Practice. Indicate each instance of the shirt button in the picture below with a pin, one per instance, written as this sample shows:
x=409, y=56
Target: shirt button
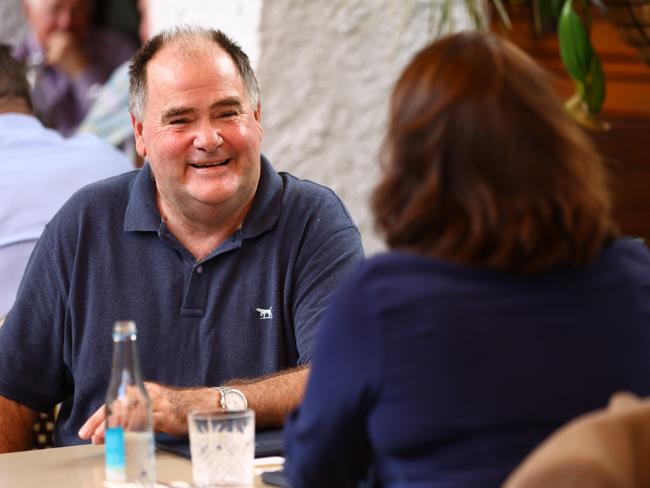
x=199, y=269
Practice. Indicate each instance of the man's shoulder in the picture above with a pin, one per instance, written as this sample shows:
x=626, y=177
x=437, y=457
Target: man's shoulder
x=51, y=164
x=104, y=196
x=100, y=148
x=302, y=185
x=28, y=138
x=85, y=158
x=308, y=196
x=313, y=216
x=90, y=218
x=114, y=185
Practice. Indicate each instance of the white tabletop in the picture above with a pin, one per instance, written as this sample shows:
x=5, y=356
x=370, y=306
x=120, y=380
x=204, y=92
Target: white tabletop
x=79, y=467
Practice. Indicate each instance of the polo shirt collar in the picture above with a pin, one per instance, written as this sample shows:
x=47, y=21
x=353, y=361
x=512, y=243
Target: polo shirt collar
x=265, y=211
x=142, y=212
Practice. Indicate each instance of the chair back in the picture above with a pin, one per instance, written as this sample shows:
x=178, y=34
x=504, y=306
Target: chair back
x=608, y=448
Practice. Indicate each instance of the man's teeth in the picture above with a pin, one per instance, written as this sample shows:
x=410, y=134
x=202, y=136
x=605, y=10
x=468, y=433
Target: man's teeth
x=210, y=165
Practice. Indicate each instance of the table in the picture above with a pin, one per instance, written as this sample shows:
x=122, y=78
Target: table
x=80, y=467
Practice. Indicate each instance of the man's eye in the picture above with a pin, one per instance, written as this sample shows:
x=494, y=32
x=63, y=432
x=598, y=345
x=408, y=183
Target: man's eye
x=178, y=121
x=231, y=113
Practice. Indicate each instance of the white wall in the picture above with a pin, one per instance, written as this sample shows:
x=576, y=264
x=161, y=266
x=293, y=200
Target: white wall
x=327, y=69
x=239, y=19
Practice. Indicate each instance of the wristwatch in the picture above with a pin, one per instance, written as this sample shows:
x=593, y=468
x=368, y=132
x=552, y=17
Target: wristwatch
x=232, y=400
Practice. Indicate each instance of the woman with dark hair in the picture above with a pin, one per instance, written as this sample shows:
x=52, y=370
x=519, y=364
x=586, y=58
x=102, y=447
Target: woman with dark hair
x=507, y=303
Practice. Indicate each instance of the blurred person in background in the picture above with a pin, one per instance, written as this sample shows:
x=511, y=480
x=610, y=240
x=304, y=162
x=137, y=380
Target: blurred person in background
x=109, y=116
x=507, y=303
x=67, y=59
x=39, y=171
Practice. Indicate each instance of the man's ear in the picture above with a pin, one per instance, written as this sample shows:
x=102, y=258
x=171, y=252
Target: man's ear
x=139, y=140
x=258, y=118
x=258, y=113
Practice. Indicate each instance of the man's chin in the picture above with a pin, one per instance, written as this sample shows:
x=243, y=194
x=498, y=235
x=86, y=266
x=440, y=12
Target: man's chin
x=213, y=198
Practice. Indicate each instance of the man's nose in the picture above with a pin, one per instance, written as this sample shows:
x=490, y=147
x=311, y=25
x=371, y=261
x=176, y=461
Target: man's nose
x=207, y=138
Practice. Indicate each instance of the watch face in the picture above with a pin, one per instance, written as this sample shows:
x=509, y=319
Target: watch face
x=235, y=401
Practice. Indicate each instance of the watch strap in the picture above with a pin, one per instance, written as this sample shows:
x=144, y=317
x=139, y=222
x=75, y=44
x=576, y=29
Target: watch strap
x=222, y=395
x=223, y=391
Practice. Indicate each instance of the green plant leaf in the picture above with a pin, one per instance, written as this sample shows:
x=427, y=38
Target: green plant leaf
x=594, y=94
x=575, y=48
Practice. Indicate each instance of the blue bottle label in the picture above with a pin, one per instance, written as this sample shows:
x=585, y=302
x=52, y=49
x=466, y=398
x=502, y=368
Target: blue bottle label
x=115, y=455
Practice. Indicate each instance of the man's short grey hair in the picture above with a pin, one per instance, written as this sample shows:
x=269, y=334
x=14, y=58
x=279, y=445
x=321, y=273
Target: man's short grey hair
x=185, y=35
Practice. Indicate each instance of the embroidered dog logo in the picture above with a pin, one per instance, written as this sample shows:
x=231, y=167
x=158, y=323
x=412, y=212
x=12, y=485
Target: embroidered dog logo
x=265, y=313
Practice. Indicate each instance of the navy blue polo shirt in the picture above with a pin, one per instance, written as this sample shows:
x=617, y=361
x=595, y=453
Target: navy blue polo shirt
x=250, y=308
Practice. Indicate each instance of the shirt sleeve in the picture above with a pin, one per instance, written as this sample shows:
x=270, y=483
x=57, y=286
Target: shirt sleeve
x=32, y=370
x=108, y=116
x=332, y=248
x=326, y=439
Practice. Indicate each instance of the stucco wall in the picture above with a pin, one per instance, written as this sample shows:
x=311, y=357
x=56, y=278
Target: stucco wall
x=326, y=69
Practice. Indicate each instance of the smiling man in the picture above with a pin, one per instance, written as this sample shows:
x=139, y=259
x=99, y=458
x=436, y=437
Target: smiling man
x=224, y=264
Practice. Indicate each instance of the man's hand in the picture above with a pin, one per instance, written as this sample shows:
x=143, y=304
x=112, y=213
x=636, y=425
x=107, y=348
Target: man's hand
x=63, y=52
x=94, y=427
x=272, y=397
x=170, y=408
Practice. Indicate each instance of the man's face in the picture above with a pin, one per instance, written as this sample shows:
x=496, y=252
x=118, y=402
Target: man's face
x=199, y=131
x=48, y=16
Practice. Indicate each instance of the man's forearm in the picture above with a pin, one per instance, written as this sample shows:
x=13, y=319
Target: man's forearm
x=274, y=396
x=16, y=423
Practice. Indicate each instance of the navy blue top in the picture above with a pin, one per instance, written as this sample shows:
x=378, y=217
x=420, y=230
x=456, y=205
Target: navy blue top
x=248, y=309
x=445, y=375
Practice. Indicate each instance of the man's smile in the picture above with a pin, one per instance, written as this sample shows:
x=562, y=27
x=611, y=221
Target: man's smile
x=211, y=164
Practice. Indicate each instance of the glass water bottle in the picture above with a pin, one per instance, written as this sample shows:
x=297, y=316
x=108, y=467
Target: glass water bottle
x=129, y=440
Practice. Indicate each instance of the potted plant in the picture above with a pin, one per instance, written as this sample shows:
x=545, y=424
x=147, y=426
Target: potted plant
x=581, y=62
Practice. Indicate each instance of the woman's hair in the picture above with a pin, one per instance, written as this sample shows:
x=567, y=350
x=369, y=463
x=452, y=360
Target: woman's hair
x=483, y=166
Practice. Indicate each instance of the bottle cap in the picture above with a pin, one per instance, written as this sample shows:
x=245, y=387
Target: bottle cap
x=124, y=328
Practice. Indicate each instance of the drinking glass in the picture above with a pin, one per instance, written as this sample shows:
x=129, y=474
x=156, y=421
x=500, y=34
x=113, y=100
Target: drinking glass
x=222, y=445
